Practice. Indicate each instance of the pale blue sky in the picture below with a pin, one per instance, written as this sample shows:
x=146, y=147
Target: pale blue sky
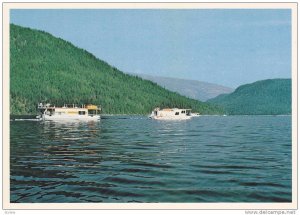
x=228, y=47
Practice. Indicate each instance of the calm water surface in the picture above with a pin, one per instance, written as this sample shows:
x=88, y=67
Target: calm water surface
x=135, y=159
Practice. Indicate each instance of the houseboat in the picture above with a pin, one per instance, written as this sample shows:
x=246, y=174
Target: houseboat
x=69, y=112
x=171, y=114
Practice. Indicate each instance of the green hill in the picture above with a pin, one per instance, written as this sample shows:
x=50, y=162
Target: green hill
x=270, y=97
x=48, y=69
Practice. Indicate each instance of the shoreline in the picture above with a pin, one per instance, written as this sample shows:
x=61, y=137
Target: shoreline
x=30, y=116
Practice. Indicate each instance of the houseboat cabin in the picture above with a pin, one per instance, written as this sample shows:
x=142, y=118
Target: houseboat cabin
x=84, y=112
x=170, y=114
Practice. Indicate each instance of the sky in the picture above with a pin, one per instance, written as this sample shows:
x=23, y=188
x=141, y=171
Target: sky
x=223, y=46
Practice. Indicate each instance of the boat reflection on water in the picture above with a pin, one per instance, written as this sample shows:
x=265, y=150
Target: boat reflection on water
x=71, y=129
x=71, y=143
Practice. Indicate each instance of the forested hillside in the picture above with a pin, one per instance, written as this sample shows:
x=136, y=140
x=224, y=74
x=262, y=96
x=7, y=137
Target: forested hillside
x=48, y=69
x=270, y=97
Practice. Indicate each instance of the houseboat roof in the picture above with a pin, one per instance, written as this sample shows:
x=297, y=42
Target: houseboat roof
x=172, y=109
x=71, y=106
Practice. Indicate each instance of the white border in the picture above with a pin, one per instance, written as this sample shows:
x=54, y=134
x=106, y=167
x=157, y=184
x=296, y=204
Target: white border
x=135, y=5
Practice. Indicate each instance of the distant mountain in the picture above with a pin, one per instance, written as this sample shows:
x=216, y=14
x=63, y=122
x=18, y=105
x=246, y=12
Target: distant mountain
x=44, y=68
x=272, y=97
x=191, y=88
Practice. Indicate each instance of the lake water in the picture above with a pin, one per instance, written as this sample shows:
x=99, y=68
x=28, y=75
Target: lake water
x=136, y=159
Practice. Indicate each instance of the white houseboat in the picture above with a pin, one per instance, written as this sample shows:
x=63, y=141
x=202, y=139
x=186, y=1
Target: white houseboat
x=69, y=112
x=171, y=114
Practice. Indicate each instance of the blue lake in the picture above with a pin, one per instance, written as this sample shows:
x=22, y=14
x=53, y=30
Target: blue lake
x=136, y=159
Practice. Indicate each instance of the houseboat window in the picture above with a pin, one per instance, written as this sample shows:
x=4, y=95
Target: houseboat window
x=155, y=113
x=91, y=112
x=183, y=111
x=177, y=113
x=81, y=112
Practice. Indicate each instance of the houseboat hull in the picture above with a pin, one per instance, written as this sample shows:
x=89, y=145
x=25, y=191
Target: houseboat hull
x=67, y=118
x=170, y=118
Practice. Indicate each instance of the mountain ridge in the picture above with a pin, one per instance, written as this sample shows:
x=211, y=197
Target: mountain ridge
x=194, y=89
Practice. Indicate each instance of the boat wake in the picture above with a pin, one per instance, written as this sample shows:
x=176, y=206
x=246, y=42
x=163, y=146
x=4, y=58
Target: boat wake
x=26, y=119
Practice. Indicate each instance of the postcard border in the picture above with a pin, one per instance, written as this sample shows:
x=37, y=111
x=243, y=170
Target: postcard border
x=6, y=6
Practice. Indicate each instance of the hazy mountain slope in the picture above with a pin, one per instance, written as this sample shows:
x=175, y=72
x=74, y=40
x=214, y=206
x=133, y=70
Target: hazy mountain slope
x=45, y=68
x=191, y=88
x=272, y=96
